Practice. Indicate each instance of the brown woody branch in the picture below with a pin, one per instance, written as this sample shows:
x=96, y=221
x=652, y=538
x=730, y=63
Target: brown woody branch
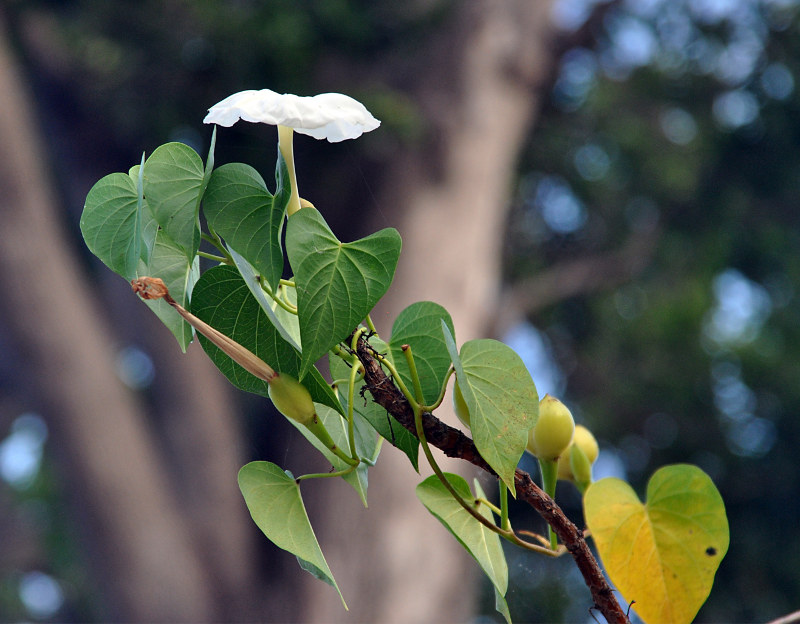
x=454, y=443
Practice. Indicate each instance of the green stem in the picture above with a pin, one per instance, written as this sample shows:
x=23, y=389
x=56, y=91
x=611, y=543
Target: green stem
x=220, y=259
x=215, y=241
x=412, y=367
x=278, y=300
x=504, y=523
x=490, y=505
x=284, y=297
x=412, y=401
x=549, y=470
x=318, y=429
x=351, y=393
x=371, y=325
x=285, y=144
x=442, y=393
x=289, y=283
x=324, y=475
x=373, y=460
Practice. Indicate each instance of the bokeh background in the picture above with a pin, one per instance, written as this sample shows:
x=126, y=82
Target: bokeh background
x=609, y=187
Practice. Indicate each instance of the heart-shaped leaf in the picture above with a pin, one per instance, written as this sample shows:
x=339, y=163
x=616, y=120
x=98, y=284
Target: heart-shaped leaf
x=502, y=400
x=420, y=326
x=274, y=500
x=111, y=225
x=169, y=262
x=338, y=283
x=239, y=208
x=479, y=541
x=383, y=422
x=173, y=183
x=663, y=554
x=222, y=299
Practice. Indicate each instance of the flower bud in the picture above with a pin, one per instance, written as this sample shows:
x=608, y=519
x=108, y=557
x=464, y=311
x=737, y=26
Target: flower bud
x=292, y=399
x=460, y=405
x=585, y=441
x=553, y=431
x=581, y=467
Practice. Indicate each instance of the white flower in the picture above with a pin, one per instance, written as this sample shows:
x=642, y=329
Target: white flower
x=330, y=116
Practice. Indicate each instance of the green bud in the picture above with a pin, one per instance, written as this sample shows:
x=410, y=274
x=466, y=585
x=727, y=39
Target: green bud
x=581, y=467
x=292, y=399
x=553, y=431
x=460, y=405
x=583, y=439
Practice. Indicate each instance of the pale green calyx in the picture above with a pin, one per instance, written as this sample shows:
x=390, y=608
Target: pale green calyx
x=292, y=399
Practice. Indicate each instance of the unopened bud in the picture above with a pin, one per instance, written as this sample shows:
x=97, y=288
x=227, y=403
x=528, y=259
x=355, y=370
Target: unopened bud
x=552, y=434
x=292, y=399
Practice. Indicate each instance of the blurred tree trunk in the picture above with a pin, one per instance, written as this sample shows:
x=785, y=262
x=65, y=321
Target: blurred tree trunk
x=477, y=84
x=154, y=561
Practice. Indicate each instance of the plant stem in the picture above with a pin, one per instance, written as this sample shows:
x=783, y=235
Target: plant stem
x=412, y=367
x=442, y=392
x=454, y=443
x=278, y=300
x=285, y=145
x=215, y=241
x=351, y=393
x=504, y=522
x=324, y=475
x=220, y=259
x=549, y=470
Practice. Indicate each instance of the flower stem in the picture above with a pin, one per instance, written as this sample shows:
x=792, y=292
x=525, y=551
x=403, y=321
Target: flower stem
x=549, y=470
x=285, y=135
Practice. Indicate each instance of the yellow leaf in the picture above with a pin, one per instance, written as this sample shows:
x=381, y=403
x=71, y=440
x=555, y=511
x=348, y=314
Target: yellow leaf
x=663, y=554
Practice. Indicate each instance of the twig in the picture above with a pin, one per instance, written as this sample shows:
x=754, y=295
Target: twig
x=454, y=443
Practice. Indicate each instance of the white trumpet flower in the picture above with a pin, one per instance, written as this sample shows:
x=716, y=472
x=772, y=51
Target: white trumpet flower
x=331, y=116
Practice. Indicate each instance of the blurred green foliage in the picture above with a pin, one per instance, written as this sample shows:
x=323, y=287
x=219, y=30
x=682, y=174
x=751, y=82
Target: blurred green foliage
x=681, y=118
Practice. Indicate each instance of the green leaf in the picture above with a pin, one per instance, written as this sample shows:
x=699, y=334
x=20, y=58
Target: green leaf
x=173, y=185
x=663, y=554
x=287, y=324
x=274, y=500
x=380, y=420
x=366, y=445
x=222, y=299
x=168, y=262
x=419, y=326
x=110, y=223
x=502, y=400
x=480, y=542
x=239, y=208
x=338, y=283
x=149, y=228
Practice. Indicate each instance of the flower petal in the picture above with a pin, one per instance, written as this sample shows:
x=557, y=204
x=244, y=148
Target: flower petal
x=331, y=116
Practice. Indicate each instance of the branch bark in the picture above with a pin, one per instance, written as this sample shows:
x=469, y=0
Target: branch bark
x=454, y=443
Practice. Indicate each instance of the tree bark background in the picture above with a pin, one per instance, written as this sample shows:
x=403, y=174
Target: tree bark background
x=157, y=488
x=478, y=84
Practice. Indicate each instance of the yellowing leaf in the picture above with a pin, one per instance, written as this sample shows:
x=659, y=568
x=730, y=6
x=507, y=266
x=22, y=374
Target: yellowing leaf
x=663, y=555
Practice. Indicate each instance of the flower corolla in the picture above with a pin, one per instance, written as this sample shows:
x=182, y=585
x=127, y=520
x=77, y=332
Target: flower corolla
x=332, y=116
